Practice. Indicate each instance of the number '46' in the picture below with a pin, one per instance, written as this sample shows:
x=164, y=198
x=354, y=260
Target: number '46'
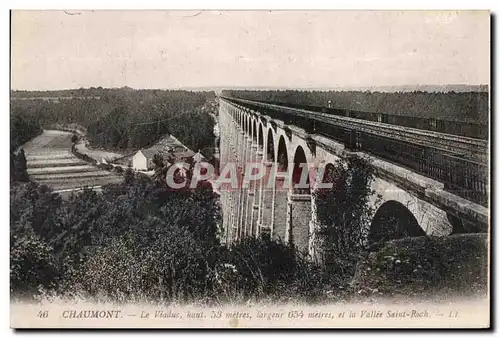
x=43, y=314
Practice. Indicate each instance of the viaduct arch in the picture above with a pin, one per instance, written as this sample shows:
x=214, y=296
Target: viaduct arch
x=274, y=207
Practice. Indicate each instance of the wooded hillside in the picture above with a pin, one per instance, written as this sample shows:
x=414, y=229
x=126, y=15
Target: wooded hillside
x=124, y=118
x=470, y=106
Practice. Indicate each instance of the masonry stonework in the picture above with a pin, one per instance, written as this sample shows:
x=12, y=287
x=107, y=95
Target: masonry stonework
x=265, y=208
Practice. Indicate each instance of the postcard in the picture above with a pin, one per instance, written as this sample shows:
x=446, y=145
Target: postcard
x=250, y=169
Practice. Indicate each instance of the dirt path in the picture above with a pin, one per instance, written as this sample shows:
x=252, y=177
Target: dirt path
x=96, y=154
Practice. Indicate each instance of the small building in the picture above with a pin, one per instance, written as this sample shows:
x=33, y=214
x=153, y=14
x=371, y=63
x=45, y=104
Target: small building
x=140, y=161
x=143, y=159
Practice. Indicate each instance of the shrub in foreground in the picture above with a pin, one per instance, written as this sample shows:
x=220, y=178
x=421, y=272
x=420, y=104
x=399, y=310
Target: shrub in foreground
x=457, y=263
x=262, y=268
x=32, y=264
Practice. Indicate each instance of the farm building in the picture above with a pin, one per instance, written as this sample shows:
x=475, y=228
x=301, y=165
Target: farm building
x=143, y=159
x=170, y=149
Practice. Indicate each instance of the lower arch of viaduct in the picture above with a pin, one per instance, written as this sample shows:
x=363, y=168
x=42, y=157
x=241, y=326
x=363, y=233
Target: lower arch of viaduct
x=282, y=212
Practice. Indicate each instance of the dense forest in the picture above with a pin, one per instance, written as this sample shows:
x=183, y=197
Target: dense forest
x=141, y=240
x=463, y=106
x=124, y=118
x=23, y=126
x=134, y=232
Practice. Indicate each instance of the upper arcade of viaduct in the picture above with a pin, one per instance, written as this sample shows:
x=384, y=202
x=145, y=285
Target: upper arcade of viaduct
x=407, y=187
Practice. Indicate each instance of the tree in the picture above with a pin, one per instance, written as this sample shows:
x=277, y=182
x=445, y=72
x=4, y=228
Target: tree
x=159, y=168
x=33, y=222
x=170, y=156
x=20, y=171
x=32, y=263
x=24, y=125
x=158, y=161
x=35, y=207
x=129, y=176
x=344, y=213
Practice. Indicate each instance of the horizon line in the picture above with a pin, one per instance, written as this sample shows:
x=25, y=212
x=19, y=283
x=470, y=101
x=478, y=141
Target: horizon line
x=264, y=87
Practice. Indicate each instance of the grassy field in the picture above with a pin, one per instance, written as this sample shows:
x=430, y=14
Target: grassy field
x=50, y=162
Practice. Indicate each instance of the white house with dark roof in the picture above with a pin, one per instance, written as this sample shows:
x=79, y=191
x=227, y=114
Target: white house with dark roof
x=171, y=149
x=143, y=159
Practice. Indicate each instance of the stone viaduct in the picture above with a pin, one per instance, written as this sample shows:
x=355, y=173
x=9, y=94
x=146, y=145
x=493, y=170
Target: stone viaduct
x=255, y=133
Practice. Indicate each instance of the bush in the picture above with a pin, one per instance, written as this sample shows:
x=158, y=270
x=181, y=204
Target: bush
x=166, y=266
x=256, y=268
x=32, y=263
x=427, y=264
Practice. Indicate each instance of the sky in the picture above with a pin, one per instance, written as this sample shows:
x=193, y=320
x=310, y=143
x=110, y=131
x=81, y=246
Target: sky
x=288, y=49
